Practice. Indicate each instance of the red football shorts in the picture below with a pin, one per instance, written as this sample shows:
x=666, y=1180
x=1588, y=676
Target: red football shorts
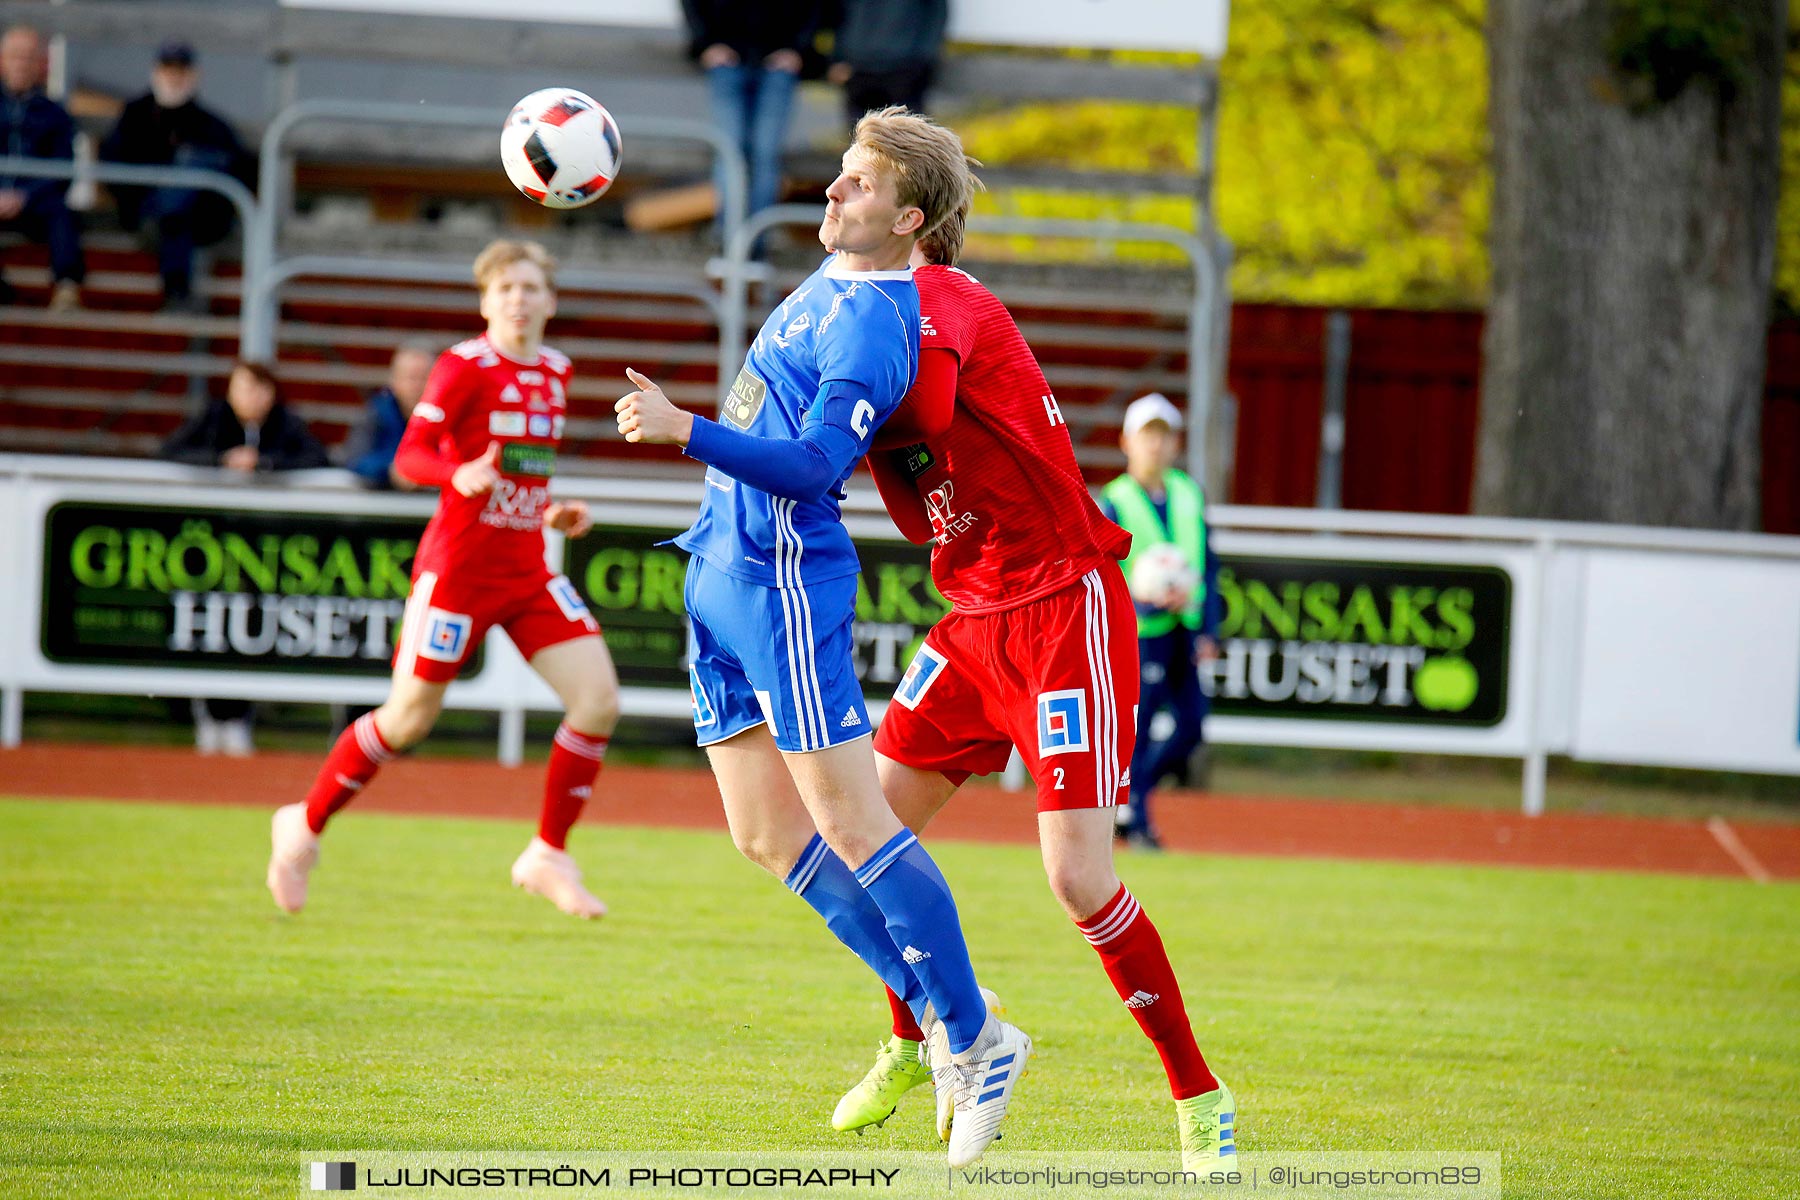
x=1058, y=678
x=445, y=622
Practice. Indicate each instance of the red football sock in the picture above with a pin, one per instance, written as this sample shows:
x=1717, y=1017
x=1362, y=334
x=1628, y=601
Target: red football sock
x=353, y=761
x=574, y=764
x=1132, y=952
x=905, y=1024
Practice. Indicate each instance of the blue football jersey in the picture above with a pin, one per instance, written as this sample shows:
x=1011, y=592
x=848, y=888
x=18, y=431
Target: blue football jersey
x=842, y=351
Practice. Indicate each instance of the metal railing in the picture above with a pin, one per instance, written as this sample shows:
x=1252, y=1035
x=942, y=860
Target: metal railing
x=260, y=252
x=135, y=175
x=738, y=271
x=264, y=290
x=265, y=273
x=252, y=216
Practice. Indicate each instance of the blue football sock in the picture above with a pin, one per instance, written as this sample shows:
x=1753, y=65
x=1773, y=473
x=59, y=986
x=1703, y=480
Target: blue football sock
x=921, y=918
x=822, y=879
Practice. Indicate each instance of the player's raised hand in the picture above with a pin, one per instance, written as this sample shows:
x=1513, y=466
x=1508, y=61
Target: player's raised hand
x=479, y=475
x=646, y=415
x=569, y=517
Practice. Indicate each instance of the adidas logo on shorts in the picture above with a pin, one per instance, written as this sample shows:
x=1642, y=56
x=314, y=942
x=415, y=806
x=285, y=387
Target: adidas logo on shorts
x=1143, y=999
x=851, y=720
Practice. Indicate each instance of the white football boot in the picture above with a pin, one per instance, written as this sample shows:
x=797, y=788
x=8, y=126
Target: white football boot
x=929, y=1025
x=978, y=1085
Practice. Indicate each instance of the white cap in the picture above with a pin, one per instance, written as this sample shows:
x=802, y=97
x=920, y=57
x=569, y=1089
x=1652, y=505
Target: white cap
x=1154, y=407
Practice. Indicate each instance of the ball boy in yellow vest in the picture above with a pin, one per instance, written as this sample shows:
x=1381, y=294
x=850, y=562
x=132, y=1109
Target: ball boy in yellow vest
x=1178, y=630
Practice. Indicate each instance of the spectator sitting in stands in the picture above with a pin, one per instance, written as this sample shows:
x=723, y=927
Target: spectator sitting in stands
x=250, y=430
x=34, y=126
x=886, y=52
x=168, y=127
x=370, y=449
x=752, y=55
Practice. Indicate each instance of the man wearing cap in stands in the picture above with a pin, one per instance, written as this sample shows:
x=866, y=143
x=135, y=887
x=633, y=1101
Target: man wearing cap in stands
x=1178, y=630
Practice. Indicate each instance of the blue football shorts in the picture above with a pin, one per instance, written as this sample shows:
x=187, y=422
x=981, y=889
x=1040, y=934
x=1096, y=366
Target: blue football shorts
x=775, y=655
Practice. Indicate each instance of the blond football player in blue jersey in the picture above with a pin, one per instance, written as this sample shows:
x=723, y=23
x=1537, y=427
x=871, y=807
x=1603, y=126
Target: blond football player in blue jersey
x=771, y=592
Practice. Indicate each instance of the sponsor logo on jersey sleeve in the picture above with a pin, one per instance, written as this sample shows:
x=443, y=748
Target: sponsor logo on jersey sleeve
x=1062, y=722
x=506, y=424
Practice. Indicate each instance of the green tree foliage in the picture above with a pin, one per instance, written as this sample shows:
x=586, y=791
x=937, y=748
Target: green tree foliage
x=1352, y=154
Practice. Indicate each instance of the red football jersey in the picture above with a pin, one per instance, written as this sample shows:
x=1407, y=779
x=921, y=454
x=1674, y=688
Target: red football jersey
x=1011, y=516
x=477, y=396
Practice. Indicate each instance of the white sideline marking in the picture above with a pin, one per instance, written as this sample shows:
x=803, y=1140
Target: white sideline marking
x=1740, y=853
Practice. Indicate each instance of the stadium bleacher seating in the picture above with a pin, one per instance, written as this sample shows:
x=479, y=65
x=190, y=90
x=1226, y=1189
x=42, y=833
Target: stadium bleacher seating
x=117, y=376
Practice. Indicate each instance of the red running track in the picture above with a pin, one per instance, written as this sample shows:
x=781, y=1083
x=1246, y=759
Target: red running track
x=686, y=798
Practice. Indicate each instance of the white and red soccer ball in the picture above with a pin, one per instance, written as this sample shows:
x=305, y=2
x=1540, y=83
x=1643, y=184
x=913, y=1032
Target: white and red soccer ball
x=560, y=147
x=1163, y=576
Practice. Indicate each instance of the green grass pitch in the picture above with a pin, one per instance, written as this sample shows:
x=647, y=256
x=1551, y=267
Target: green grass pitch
x=164, y=1031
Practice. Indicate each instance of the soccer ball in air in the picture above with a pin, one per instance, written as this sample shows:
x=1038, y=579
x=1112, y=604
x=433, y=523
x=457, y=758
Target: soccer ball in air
x=560, y=147
x=1162, y=575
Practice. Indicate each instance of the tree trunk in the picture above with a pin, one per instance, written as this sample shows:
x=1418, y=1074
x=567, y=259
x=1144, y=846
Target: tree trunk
x=1633, y=252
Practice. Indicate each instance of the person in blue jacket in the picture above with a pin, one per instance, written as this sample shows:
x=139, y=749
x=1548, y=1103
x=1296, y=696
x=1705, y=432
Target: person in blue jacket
x=34, y=126
x=371, y=446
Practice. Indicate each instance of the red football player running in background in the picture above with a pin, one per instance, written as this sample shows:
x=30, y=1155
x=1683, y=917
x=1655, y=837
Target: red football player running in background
x=1039, y=651
x=485, y=433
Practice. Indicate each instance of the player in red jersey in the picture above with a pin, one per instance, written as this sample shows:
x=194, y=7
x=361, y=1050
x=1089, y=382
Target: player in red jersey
x=485, y=433
x=1038, y=652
